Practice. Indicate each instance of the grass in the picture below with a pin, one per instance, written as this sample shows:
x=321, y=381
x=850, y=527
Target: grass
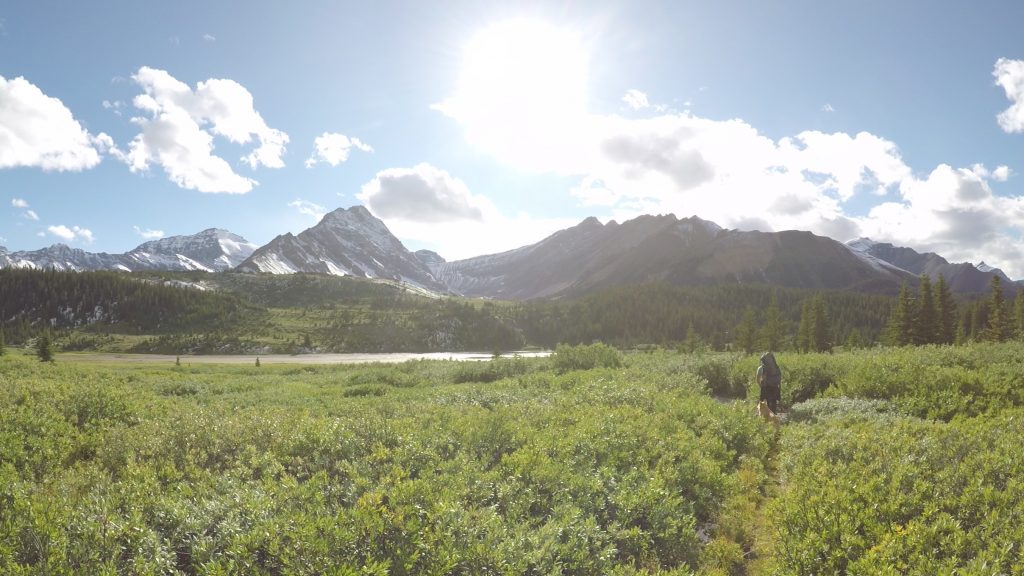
x=593, y=463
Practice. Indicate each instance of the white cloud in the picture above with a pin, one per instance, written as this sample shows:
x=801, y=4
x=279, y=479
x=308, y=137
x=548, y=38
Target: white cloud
x=826, y=107
x=1000, y=174
x=178, y=133
x=38, y=131
x=149, y=234
x=635, y=99
x=72, y=233
x=429, y=207
x=334, y=148
x=1010, y=76
x=28, y=214
x=728, y=172
x=955, y=213
x=114, y=106
x=309, y=209
x=209, y=38
x=422, y=193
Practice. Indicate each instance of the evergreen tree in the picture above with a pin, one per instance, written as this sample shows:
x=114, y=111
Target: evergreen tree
x=692, y=340
x=926, y=323
x=44, y=347
x=773, y=332
x=820, y=331
x=900, y=330
x=979, y=320
x=998, y=327
x=946, y=312
x=257, y=361
x=2, y=350
x=855, y=340
x=1018, y=315
x=804, y=333
x=746, y=332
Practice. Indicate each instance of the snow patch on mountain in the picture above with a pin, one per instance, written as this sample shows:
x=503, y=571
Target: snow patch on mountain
x=210, y=250
x=861, y=244
x=348, y=242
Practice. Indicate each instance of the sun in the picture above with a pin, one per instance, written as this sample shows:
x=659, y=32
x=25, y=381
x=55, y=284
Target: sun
x=521, y=82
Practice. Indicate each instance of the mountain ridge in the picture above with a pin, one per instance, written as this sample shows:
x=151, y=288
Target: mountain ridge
x=210, y=250
x=570, y=262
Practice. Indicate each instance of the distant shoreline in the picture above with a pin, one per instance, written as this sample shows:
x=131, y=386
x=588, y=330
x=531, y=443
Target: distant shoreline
x=353, y=358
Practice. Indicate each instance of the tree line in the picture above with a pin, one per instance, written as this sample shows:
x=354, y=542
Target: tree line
x=364, y=316
x=932, y=316
x=36, y=301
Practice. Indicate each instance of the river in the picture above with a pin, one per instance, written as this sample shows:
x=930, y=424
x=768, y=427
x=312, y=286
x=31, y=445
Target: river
x=390, y=357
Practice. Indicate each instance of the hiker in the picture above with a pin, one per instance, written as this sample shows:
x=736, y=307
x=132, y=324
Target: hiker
x=769, y=379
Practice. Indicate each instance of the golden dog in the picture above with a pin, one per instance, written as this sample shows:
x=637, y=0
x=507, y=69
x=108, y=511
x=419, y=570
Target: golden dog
x=765, y=412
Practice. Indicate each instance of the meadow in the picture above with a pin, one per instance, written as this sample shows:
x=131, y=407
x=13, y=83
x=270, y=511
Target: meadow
x=892, y=461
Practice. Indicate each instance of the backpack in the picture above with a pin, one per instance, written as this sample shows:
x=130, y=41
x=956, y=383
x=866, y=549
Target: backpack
x=770, y=370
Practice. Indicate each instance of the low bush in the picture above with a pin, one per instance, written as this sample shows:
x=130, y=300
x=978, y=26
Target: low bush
x=585, y=357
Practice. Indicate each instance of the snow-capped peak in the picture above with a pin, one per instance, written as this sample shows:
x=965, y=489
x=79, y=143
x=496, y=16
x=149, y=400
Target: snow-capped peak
x=861, y=244
x=209, y=250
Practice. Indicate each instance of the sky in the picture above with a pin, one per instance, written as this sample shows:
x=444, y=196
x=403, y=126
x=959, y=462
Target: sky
x=477, y=127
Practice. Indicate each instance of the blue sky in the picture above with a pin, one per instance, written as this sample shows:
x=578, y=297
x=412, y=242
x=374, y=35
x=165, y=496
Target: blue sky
x=474, y=127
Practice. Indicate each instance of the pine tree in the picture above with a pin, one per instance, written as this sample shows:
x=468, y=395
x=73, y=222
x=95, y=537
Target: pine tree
x=979, y=320
x=998, y=327
x=257, y=361
x=820, y=331
x=900, y=330
x=692, y=340
x=1018, y=315
x=44, y=347
x=773, y=331
x=926, y=323
x=946, y=312
x=855, y=339
x=804, y=334
x=746, y=332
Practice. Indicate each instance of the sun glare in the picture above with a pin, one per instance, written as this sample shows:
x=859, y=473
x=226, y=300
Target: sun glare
x=519, y=79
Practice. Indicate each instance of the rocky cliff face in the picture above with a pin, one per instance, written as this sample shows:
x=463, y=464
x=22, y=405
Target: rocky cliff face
x=960, y=277
x=344, y=243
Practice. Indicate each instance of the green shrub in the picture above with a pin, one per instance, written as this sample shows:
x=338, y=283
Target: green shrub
x=490, y=370
x=585, y=357
x=383, y=376
x=819, y=409
x=717, y=371
x=365, y=390
x=887, y=496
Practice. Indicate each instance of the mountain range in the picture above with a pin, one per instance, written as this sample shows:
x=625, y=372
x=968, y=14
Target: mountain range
x=575, y=261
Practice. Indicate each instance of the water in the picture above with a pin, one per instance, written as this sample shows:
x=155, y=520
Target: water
x=389, y=358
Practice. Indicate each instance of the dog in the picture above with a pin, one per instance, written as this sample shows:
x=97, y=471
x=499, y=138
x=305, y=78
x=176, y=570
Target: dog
x=766, y=413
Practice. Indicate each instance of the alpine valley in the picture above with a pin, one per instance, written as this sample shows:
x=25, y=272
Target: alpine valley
x=583, y=259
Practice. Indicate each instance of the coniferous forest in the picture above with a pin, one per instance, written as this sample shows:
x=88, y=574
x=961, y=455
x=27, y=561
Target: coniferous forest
x=232, y=313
